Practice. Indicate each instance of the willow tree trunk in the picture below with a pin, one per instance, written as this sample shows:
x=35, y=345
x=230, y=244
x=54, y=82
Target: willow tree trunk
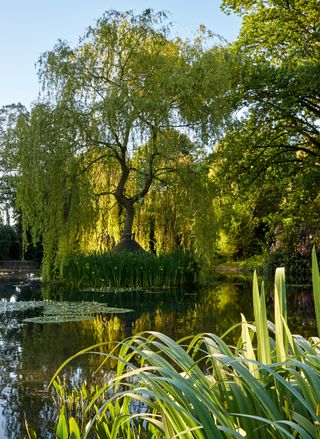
x=128, y=224
x=127, y=242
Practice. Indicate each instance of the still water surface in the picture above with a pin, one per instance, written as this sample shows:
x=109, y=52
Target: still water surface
x=31, y=352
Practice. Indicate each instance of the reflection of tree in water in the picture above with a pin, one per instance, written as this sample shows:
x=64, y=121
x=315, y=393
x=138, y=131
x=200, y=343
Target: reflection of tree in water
x=211, y=311
x=218, y=309
x=30, y=354
x=108, y=330
x=300, y=306
x=21, y=391
x=301, y=313
x=10, y=352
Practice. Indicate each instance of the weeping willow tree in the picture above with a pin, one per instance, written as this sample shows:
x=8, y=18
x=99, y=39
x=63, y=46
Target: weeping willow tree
x=56, y=204
x=178, y=213
x=105, y=142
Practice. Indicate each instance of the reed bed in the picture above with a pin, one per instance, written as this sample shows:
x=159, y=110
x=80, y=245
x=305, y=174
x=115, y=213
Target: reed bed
x=267, y=386
x=129, y=269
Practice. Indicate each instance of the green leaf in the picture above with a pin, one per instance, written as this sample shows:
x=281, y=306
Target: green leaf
x=74, y=429
x=248, y=351
x=316, y=287
x=62, y=426
x=261, y=322
x=280, y=314
x=30, y=432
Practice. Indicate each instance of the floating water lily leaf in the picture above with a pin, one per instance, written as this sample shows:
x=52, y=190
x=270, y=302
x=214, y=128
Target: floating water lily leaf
x=58, y=319
x=6, y=307
x=80, y=308
x=61, y=311
x=113, y=290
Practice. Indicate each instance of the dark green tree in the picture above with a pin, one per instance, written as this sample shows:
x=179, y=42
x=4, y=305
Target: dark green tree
x=275, y=143
x=8, y=165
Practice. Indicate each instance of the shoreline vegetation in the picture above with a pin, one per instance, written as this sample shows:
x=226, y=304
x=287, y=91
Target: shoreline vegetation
x=129, y=269
x=267, y=386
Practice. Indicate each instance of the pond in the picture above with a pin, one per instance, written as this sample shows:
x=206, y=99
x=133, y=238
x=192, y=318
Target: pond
x=31, y=350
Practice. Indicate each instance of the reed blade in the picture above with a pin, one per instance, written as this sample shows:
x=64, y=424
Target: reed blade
x=280, y=314
x=316, y=287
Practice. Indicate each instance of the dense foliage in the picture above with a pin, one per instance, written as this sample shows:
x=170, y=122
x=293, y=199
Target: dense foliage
x=9, y=243
x=204, y=147
x=115, y=270
x=271, y=156
x=8, y=118
x=115, y=147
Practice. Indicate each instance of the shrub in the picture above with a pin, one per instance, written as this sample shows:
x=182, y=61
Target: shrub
x=9, y=244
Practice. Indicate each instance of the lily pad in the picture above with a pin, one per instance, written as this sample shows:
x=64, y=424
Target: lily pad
x=112, y=290
x=58, y=319
x=52, y=311
x=80, y=308
x=6, y=307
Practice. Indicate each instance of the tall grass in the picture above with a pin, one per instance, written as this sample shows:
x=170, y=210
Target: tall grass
x=268, y=386
x=129, y=269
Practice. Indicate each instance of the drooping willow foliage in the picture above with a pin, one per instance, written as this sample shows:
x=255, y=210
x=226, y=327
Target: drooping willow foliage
x=56, y=204
x=180, y=215
x=118, y=143
x=70, y=208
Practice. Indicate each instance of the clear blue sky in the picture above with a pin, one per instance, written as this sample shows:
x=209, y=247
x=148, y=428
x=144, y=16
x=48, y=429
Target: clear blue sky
x=31, y=27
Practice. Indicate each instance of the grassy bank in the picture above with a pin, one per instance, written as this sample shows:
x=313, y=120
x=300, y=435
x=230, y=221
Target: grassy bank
x=249, y=265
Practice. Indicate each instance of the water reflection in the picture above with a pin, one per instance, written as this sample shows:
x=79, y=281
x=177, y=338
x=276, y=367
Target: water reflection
x=301, y=310
x=31, y=352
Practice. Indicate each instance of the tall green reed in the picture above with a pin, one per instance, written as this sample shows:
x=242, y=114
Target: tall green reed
x=316, y=287
x=129, y=269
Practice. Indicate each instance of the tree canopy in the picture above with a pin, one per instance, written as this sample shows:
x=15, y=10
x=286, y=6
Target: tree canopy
x=280, y=90
x=276, y=141
x=127, y=113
